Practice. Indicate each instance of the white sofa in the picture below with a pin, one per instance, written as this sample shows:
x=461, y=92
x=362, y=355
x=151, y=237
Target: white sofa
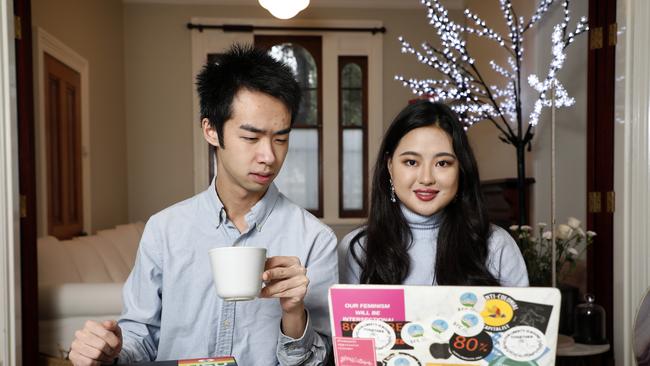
x=82, y=279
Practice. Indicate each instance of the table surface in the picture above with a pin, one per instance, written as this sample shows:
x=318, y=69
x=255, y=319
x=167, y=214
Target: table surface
x=579, y=349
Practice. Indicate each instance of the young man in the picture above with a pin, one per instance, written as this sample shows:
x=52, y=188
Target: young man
x=171, y=310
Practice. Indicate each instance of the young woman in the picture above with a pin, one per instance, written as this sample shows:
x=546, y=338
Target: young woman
x=428, y=223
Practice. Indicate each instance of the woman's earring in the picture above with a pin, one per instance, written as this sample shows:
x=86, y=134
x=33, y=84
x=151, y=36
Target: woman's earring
x=392, y=191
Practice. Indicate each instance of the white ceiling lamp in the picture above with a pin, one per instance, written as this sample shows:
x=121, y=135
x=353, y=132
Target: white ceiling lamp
x=284, y=9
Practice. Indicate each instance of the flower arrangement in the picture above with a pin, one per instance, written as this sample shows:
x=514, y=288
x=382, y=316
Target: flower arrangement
x=570, y=242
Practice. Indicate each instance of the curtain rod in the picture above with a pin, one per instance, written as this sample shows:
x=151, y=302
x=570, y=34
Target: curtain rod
x=247, y=28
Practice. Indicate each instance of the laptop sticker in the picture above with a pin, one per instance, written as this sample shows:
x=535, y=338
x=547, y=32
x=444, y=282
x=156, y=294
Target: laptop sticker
x=533, y=314
x=415, y=333
x=468, y=323
x=352, y=305
x=471, y=301
x=471, y=348
x=523, y=343
x=354, y=351
x=382, y=333
x=498, y=312
x=401, y=359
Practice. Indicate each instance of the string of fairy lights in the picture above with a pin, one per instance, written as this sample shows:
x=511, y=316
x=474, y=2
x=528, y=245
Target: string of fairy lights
x=462, y=86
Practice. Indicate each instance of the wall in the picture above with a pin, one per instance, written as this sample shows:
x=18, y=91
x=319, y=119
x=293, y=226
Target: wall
x=159, y=88
x=94, y=30
x=571, y=126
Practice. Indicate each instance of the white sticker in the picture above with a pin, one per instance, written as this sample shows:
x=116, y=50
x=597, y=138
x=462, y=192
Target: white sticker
x=401, y=359
x=441, y=329
x=382, y=333
x=471, y=301
x=523, y=343
x=416, y=333
x=468, y=323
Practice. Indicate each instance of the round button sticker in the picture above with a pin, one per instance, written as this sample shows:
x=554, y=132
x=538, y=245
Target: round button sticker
x=441, y=330
x=416, y=333
x=382, y=333
x=467, y=323
x=468, y=299
x=471, y=348
x=498, y=311
x=401, y=359
x=523, y=343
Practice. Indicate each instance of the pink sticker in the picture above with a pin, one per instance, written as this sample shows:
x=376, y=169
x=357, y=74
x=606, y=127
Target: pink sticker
x=354, y=351
x=355, y=305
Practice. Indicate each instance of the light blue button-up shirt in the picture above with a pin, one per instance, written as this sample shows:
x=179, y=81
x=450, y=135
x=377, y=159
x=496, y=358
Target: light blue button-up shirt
x=171, y=309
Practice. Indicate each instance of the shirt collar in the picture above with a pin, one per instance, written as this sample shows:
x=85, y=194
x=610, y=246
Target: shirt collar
x=255, y=218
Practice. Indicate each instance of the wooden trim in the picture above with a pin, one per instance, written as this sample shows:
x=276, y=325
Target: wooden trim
x=27, y=185
x=600, y=159
x=314, y=45
x=362, y=61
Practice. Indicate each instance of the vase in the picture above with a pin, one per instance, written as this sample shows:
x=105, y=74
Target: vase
x=570, y=295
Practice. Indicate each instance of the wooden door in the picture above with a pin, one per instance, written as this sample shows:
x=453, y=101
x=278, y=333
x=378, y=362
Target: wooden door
x=63, y=146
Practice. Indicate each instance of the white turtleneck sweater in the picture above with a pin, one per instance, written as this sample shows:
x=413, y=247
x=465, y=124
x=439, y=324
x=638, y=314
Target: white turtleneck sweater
x=504, y=262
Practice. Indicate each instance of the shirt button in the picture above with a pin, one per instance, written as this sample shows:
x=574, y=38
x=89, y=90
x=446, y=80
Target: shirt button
x=226, y=323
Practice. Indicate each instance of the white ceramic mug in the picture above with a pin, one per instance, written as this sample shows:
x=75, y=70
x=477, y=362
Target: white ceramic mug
x=237, y=272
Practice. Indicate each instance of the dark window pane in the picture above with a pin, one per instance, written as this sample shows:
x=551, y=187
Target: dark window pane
x=351, y=76
x=352, y=107
x=300, y=61
x=304, y=69
x=308, y=112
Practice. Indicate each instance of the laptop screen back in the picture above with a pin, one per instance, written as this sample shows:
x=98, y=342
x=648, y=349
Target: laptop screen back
x=443, y=325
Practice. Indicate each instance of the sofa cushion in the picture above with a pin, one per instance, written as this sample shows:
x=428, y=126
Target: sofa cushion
x=117, y=269
x=79, y=299
x=54, y=263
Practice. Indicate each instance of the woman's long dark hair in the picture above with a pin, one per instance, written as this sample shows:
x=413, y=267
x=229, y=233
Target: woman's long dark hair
x=462, y=248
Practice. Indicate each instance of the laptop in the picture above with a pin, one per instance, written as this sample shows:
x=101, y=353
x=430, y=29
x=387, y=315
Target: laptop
x=443, y=325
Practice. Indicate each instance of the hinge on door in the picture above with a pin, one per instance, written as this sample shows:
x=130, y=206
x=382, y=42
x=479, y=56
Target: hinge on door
x=613, y=34
x=18, y=29
x=611, y=202
x=596, y=38
x=23, y=206
x=593, y=202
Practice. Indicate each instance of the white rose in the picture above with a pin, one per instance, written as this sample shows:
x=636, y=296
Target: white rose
x=547, y=235
x=526, y=228
x=590, y=233
x=564, y=231
x=574, y=223
x=573, y=252
x=514, y=227
x=541, y=224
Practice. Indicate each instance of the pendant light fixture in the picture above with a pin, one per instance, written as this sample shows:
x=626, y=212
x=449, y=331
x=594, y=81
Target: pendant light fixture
x=284, y=9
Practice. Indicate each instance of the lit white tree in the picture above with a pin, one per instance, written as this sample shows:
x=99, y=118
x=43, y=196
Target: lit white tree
x=464, y=89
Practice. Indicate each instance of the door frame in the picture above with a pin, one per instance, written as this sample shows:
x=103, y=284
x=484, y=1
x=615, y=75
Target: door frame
x=27, y=286
x=9, y=208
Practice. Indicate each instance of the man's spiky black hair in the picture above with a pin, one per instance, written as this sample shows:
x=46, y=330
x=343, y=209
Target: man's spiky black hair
x=243, y=66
